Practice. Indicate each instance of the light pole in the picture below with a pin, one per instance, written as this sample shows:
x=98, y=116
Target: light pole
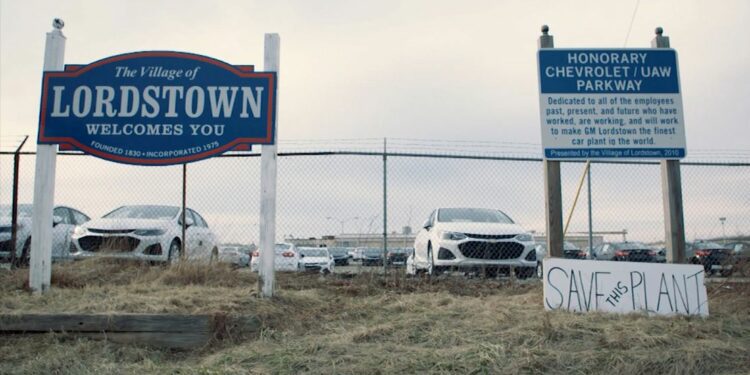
x=723, y=231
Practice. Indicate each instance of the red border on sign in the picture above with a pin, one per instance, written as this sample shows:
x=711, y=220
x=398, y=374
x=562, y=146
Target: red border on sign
x=244, y=71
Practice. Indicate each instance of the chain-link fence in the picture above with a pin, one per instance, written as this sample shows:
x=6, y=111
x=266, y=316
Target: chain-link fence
x=352, y=208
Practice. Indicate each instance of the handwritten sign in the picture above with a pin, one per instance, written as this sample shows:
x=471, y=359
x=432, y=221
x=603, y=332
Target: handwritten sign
x=624, y=287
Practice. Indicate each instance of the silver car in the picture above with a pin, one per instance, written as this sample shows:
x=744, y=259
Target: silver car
x=145, y=232
x=64, y=220
x=475, y=240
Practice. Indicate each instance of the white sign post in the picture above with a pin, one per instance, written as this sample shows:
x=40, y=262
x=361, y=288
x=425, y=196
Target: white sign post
x=40, y=271
x=624, y=287
x=268, y=183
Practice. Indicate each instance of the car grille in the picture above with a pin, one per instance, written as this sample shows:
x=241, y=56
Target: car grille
x=491, y=250
x=5, y=246
x=110, y=231
x=490, y=236
x=639, y=256
x=108, y=244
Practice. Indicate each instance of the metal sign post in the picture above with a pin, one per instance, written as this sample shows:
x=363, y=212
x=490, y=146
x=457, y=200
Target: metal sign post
x=552, y=185
x=671, y=188
x=40, y=271
x=268, y=159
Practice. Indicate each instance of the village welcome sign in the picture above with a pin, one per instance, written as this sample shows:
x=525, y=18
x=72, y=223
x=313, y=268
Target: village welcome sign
x=157, y=108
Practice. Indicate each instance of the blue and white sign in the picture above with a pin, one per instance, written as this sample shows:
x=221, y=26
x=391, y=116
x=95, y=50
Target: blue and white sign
x=157, y=108
x=611, y=104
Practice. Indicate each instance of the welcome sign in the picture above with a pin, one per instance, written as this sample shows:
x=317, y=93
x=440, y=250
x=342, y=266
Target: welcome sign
x=624, y=287
x=157, y=108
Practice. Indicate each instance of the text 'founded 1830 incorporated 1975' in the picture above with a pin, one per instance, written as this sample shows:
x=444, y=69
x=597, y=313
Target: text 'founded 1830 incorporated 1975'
x=611, y=103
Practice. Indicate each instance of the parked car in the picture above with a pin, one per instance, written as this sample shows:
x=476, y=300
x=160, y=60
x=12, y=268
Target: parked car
x=661, y=255
x=473, y=239
x=340, y=255
x=316, y=259
x=234, y=255
x=741, y=255
x=398, y=256
x=145, y=232
x=571, y=251
x=372, y=256
x=64, y=220
x=711, y=255
x=624, y=251
x=358, y=253
x=286, y=258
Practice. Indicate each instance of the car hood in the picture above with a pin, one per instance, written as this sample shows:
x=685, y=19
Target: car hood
x=111, y=224
x=7, y=221
x=481, y=228
x=315, y=260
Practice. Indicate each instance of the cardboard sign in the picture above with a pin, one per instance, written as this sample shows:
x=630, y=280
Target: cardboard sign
x=624, y=287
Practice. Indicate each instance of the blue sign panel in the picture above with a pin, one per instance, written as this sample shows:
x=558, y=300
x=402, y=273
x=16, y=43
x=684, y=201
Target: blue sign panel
x=157, y=108
x=634, y=71
x=611, y=104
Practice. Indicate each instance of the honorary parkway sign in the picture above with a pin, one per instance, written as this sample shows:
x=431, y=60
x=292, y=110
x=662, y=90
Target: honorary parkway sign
x=610, y=103
x=157, y=108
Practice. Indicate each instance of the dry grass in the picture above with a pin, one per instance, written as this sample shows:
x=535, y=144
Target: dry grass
x=366, y=324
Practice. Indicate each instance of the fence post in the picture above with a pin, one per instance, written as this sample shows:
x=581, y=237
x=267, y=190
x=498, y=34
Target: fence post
x=552, y=185
x=183, y=251
x=385, y=207
x=591, y=219
x=268, y=159
x=671, y=190
x=14, y=209
x=40, y=269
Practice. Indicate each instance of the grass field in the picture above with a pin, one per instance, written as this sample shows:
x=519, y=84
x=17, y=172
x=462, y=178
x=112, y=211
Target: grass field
x=367, y=324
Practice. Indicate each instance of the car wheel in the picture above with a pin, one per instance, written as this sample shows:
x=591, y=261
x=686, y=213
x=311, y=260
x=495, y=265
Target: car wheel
x=539, y=270
x=524, y=272
x=214, y=255
x=432, y=269
x=25, y=258
x=175, y=249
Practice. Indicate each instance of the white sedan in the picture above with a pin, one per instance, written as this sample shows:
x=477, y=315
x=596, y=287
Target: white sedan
x=151, y=233
x=286, y=258
x=472, y=239
x=64, y=220
x=316, y=259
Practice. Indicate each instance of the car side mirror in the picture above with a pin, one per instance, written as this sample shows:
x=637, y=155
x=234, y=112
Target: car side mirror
x=427, y=225
x=189, y=222
x=302, y=255
x=56, y=220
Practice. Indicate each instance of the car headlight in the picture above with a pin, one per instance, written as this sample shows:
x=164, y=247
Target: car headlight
x=149, y=232
x=79, y=231
x=453, y=236
x=524, y=237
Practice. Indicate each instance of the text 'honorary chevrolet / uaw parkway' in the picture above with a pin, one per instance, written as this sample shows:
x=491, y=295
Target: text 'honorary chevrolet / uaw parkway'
x=157, y=108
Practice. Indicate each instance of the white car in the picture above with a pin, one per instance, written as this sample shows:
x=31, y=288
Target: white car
x=316, y=259
x=150, y=233
x=235, y=255
x=472, y=239
x=64, y=220
x=286, y=258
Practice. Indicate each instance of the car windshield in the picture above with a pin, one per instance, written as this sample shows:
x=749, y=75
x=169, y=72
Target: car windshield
x=399, y=251
x=143, y=212
x=569, y=246
x=373, y=252
x=282, y=247
x=24, y=210
x=314, y=252
x=472, y=215
x=709, y=245
x=629, y=246
x=338, y=251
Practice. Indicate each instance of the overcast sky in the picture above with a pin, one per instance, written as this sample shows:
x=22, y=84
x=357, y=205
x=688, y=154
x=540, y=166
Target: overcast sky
x=424, y=69
x=441, y=70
